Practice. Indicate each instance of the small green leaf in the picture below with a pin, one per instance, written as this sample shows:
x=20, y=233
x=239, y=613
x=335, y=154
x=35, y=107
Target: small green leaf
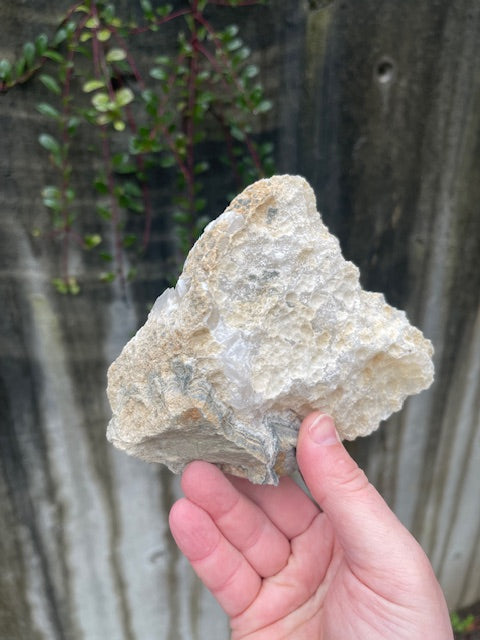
x=53, y=55
x=237, y=133
x=93, y=85
x=103, y=119
x=50, y=192
x=70, y=27
x=20, y=66
x=150, y=97
x=162, y=60
x=164, y=10
x=264, y=106
x=167, y=161
x=231, y=31
x=200, y=204
x=59, y=37
x=104, y=213
x=29, y=53
x=200, y=224
x=147, y=8
x=103, y=35
x=201, y=167
x=107, y=276
x=234, y=44
x=132, y=189
x=101, y=186
x=129, y=240
x=241, y=55
x=5, y=69
x=266, y=148
x=101, y=102
x=115, y=55
x=85, y=37
x=73, y=287
x=41, y=43
x=60, y=285
x=250, y=71
x=92, y=240
x=92, y=23
x=50, y=82
x=123, y=97
x=47, y=110
x=122, y=164
x=72, y=125
x=119, y=125
x=51, y=204
x=158, y=73
x=132, y=272
x=48, y=142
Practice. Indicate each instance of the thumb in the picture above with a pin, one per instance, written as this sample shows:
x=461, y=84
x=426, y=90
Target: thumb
x=368, y=531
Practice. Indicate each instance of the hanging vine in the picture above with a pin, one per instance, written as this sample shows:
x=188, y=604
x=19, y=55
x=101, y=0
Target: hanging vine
x=155, y=117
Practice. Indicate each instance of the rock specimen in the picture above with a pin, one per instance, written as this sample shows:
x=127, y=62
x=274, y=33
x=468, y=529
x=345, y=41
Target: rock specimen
x=266, y=323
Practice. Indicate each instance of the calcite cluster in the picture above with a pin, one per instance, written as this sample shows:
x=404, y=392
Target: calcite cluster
x=266, y=323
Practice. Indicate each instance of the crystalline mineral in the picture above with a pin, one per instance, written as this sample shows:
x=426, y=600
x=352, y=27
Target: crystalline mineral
x=266, y=323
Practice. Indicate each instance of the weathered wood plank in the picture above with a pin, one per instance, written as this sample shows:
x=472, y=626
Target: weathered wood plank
x=378, y=105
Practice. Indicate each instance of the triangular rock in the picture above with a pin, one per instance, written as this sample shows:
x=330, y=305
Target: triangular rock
x=267, y=322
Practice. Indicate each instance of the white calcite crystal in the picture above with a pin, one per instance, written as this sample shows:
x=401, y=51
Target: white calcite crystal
x=267, y=323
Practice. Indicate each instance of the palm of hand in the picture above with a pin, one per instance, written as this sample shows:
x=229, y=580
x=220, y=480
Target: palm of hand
x=274, y=563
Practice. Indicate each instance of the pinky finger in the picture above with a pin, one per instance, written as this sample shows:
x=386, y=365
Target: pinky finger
x=218, y=564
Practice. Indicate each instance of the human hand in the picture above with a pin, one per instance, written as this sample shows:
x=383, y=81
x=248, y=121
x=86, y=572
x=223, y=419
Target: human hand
x=281, y=568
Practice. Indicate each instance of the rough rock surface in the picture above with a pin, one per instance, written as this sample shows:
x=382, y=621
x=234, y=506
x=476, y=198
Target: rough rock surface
x=266, y=323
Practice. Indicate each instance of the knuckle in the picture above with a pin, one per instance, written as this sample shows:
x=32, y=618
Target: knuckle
x=349, y=477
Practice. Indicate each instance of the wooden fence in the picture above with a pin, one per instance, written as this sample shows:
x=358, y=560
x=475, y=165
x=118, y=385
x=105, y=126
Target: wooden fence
x=377, y=104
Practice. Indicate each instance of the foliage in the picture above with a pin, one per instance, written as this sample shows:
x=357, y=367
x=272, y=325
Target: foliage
x=157, y=117
x=462, y=624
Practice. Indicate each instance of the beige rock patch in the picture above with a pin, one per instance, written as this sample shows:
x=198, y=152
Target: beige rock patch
x=266, y=323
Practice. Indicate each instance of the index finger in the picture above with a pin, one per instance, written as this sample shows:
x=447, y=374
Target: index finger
x=239, y=519
x=221, y=567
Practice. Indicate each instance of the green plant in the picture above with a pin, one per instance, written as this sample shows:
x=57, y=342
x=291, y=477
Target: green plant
x=143, y=118
x=462, y=624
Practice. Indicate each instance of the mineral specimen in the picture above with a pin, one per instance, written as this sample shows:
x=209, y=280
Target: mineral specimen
x=266, y=323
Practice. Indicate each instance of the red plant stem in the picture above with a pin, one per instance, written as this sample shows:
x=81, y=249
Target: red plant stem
x=226, y=3
x=171, y=143
x=219, y=47
x=118, y=249
x=255, y=157
x=229, y=142
x=138, y=159
x=190, y=114
x=161, y=109
x=130, y=59
x=96, y=47
x=171, y=16
x=148, y=211
x=66, y=169
x=145, y=192
x=70, y=13
x=250, y=146
x=101, y=69
x=5, y=86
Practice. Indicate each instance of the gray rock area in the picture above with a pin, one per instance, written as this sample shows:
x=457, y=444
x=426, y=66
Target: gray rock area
x=266, y=323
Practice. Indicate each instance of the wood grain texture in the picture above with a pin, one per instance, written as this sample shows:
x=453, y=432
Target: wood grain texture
x=378, y=104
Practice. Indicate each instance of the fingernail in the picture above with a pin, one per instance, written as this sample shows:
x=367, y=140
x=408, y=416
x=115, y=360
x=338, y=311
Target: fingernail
x=322, y=431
